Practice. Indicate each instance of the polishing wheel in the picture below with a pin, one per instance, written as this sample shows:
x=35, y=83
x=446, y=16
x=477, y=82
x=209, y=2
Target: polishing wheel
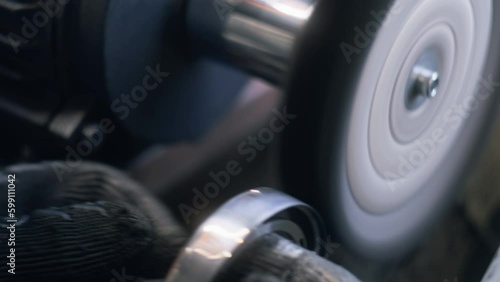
x=395, y=113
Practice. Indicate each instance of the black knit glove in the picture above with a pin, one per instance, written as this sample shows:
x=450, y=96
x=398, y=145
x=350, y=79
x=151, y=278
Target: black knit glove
x=95, y=225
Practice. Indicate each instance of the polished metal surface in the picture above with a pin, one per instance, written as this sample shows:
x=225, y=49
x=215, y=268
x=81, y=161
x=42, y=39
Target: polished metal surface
x=256, y=35
x=238, y=222
x=425, y=79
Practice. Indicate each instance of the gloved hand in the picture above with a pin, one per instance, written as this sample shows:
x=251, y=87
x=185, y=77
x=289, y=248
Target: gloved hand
x=95, y=225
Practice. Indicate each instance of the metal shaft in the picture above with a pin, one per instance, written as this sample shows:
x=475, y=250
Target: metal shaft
x=255, y=35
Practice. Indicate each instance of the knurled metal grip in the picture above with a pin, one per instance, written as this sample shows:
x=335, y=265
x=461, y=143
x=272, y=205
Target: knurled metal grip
x=240, y=221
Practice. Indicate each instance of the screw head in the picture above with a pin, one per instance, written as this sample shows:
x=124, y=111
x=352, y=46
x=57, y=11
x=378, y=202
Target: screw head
x=426, y=82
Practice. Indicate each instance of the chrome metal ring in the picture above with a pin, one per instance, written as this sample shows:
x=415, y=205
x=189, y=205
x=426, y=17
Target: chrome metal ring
x=239, y=221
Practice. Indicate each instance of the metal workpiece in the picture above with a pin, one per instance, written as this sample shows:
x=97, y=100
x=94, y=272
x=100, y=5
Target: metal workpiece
x=239, y=222
x=255, y=35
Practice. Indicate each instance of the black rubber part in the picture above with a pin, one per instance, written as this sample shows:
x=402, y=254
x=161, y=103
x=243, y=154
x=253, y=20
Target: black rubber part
x=26, y=50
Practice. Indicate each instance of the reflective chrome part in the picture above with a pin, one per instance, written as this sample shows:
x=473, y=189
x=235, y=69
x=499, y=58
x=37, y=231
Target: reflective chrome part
x=256, y=35
x=238, y=222
x=426, y=81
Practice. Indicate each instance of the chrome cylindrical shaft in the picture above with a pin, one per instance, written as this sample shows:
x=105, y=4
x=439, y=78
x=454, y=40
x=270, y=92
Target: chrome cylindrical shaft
x=256, y=35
